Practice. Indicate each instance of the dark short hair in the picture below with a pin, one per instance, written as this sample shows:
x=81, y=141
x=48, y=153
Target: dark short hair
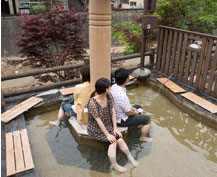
x=85, y=73
x=101, y=85
x=121, y=75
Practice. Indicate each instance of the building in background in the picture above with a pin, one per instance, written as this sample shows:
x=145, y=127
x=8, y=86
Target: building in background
x=17, y=7
x=129, y=4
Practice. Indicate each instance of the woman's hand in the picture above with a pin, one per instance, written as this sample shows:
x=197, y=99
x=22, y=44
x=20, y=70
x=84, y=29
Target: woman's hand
x=117, y=132
x=111, y=138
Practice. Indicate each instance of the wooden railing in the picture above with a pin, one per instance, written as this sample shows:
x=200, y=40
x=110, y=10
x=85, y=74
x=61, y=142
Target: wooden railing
x=150, y=53
x=191, y=56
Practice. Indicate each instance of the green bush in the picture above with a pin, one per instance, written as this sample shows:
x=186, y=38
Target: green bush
x=37, y=8
x=194, y=15
x=129, y=35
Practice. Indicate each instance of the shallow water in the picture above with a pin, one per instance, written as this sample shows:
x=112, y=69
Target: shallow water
x=181, y=146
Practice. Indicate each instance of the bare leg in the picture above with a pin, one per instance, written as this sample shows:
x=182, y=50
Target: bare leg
x=59, y=117
x=144, y=131
x=112, y=158
x=123, y=147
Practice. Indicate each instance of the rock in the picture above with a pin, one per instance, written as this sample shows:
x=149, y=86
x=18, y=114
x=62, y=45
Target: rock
x=141, y=73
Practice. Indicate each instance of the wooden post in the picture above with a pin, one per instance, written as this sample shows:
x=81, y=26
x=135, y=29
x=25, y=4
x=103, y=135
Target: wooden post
x=203, y=65
x=142, y=64
x=100, y=39
x=2, y=102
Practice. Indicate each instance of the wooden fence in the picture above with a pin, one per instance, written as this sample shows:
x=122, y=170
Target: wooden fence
x=191, y=56
x=150, y=53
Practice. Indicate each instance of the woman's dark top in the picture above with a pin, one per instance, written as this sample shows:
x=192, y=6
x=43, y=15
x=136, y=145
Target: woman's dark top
x=95, y=110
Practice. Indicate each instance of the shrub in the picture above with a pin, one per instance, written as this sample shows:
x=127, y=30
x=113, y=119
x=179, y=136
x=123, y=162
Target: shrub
x=194, y=15
x=37, y=8
x=53, y=38
x=130, y=35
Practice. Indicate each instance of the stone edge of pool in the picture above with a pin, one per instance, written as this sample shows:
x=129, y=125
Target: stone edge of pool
x=52, y=101
x=196, y=112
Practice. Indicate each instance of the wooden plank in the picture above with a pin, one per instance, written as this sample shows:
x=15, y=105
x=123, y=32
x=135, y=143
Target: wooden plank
x=10, y=159
x=19, y=161
x=178, y=55
x=168, y=55
x=171, y=85
x=67, y=91
x=24, y=104
x=212, y=73
x=131, y=77
x=7, y=113
x=193, y=66
x=183, y=56
x=159, y=50
x=206, y=66
x=173, y=52
x=188, y=63
x=201, y=102
x=164, y=50
x=199, y=68
x=19, y=109
x=26, y=150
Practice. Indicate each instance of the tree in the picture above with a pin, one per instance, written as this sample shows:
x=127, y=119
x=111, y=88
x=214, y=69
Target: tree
x=194, y=15
x=53, y=38
x=130, y=35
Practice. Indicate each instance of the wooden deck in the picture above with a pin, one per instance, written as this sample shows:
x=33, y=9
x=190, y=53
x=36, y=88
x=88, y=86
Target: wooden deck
x=18, y=153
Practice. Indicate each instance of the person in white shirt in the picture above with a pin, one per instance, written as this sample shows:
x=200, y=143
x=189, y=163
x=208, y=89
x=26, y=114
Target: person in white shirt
x=127, y=115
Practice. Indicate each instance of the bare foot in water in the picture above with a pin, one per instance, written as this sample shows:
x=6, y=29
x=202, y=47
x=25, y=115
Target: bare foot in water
x=145, y=139
x=133, y=161
x=119, y=168
x=56, y=123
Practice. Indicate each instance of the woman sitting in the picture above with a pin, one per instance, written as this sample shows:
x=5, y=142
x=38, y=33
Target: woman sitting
x=81, y=96
x=102, y=123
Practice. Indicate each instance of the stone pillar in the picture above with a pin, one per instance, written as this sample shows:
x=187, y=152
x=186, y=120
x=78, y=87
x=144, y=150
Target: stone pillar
x=99, y=39
x=11, y=7
x=17, y=7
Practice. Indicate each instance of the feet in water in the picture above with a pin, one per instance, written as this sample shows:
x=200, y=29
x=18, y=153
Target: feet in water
x=145, y=139
x=119, y=168
x=56, y=123
x=133, y=161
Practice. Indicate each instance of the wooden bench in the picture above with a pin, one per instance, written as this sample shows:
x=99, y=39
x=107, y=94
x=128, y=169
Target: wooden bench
x=18, y=153
x=19, y=109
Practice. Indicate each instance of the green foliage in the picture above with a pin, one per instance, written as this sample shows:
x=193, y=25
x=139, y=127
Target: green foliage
x=129, y=35
x=36, y=8
x=194, y=15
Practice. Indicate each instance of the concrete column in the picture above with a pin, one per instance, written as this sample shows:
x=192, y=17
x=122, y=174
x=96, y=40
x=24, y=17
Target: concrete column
x=11, y=8
x=17, y=6
x=99, y=39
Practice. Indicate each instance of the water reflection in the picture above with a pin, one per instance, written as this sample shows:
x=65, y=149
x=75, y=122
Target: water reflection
x=184, y=129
